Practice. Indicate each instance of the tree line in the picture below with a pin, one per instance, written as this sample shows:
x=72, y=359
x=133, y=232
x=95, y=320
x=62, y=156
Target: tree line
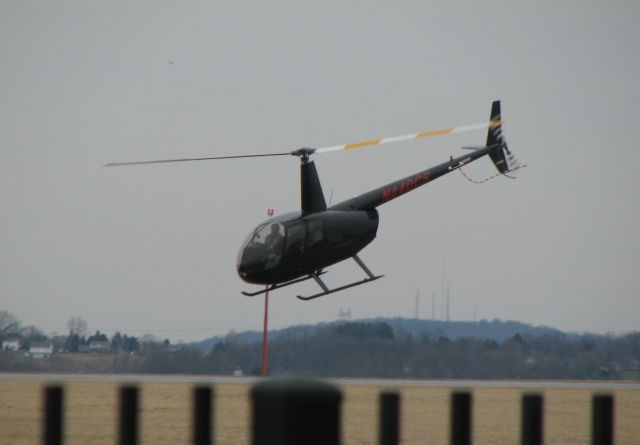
x=78, y=338
x=378, y=349
x=373, y=349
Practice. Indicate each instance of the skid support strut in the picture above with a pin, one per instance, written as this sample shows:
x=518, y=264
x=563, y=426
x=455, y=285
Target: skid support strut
x=327, y=291
x=364, y=267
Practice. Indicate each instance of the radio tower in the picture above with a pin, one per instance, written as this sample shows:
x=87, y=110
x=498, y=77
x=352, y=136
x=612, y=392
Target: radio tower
x=344, y=314
x=448, y=304
x=417, y=303
x=433, y=306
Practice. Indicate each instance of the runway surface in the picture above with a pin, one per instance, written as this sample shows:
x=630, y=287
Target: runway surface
x=200, y=379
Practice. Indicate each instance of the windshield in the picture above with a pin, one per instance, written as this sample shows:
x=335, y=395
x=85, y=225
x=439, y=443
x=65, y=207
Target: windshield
x=263, y=248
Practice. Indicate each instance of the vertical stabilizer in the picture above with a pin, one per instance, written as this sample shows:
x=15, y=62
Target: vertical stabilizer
x=502, y=157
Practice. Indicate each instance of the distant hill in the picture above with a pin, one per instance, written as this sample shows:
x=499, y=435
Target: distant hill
x=496, y=330
x=381, y=348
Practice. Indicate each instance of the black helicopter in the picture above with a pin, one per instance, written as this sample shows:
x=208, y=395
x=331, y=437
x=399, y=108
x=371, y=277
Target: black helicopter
x=299, y=246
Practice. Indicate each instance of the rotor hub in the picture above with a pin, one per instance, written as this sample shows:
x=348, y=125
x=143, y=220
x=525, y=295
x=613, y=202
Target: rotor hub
x=303, y=153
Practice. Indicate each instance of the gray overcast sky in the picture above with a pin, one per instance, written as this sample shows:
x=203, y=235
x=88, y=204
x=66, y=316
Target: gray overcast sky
x=153, y=248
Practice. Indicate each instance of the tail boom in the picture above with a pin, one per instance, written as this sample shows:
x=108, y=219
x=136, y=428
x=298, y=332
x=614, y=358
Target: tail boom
x=395, y=189
x=496, y=147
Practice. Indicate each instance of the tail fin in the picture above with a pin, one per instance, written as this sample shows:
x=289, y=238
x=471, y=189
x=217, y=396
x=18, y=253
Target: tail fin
x=502, y=157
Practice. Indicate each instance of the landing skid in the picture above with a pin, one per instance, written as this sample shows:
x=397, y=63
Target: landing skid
x=327, y=291
x=278, y=286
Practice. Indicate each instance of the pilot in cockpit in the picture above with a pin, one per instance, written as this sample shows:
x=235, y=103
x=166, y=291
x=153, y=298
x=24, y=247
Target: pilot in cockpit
x=274, y=242
x=274, y=239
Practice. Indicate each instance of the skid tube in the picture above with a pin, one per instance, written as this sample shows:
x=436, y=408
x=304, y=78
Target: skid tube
x=327, y=291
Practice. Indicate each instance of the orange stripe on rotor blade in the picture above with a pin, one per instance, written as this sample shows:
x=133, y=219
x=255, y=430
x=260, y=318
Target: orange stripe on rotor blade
x=424, y=134
x=362, y=144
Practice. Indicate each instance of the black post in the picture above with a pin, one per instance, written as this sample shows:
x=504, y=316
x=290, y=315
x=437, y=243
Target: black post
x=128, y=415
x=389, y=418
x=602, y=420
x=202, y=415
x=532, y=426
x=53, y=415
x=461, y=418
x=295, y=411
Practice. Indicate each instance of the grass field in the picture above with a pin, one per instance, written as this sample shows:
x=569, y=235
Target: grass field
x=91, y=414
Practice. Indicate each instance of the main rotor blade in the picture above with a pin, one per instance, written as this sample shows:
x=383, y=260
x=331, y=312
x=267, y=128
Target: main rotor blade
x=309, y=151
x=164, y=161
x=407, y=137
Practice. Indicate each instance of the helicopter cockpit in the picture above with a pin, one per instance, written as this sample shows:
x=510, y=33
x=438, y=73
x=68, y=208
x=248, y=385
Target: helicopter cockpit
x=263, y=248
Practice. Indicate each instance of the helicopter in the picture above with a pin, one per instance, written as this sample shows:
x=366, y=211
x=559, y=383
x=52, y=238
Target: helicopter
x=300, y=246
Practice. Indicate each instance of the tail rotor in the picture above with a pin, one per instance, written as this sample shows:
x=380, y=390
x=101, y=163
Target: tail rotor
x=503, y=158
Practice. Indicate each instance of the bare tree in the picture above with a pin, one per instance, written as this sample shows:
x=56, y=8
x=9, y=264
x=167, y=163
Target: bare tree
x=148, y=338
x=77, y=325
x=9, y=323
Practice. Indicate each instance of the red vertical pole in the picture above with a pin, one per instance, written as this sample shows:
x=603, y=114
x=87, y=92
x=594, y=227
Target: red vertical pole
x=265, y=370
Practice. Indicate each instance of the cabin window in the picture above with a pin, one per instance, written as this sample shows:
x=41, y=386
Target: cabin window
x=274, y=237
x=314, y=232
x=295, y=238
